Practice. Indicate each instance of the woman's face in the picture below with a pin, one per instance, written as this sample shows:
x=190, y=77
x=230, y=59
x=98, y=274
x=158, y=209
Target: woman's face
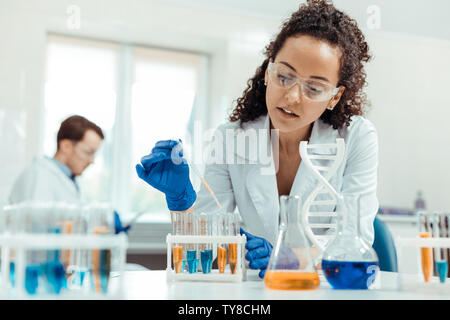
x=308, y=58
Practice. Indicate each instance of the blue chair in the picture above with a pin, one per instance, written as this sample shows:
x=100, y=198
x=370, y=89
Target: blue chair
x=384, y=246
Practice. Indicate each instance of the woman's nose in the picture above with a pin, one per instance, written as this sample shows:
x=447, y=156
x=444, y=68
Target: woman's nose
x=294, y=95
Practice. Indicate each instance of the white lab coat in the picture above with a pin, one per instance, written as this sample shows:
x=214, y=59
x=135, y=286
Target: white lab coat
x=254, y=192
x=44, y=181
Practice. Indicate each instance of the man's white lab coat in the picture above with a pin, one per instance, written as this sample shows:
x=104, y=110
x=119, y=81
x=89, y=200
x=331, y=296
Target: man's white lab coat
x=245, y=181
x=43, y=180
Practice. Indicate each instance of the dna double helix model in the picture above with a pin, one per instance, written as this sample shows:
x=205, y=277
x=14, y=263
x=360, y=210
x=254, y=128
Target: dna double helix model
x=323, y=165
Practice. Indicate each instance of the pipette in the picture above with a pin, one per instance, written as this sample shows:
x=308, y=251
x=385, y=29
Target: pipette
x=197, y=172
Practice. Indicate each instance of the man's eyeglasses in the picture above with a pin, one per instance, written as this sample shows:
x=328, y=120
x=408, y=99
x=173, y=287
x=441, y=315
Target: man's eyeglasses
x=84, y=151
x=285, y=78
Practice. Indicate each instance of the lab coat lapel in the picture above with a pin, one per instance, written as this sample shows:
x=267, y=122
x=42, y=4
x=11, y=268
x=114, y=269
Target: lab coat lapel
x=262, y=185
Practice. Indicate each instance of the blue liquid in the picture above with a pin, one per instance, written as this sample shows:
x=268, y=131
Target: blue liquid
x=192, y=261
x=32, y=274
x=349, y=274
x=206, y=259
x=56, y=276
x=11, y=272
x=441, y=268
x=78, y=277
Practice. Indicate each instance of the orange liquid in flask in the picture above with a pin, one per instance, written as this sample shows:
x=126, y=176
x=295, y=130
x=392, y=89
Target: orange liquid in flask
x=291, y=280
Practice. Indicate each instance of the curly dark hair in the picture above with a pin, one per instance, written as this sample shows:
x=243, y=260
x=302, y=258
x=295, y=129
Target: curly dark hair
x=321, y=20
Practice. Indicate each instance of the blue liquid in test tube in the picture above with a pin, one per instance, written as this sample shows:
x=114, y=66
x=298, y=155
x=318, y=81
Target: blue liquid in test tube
x=32, y=274
x=206, y=259
x=191, y=253
x=442, y=268
x=54, y=269
x=204, y=229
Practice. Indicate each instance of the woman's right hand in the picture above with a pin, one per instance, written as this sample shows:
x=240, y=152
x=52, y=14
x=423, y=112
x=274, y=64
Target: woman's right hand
x=166, y=170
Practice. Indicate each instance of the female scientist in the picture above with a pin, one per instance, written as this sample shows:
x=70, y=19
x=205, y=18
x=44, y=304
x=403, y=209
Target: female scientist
x=309, y=88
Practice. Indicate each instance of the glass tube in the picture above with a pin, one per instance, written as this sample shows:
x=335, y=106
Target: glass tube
x=177, y=230
x=204, y=229
x=101, y=222
x=221, y=225
x=425, y=253
x=233, y=230
x=191, y=248
x=440, y=264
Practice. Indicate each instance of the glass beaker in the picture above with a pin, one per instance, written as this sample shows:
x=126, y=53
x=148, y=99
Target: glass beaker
x=348, y=262
x=291, y=266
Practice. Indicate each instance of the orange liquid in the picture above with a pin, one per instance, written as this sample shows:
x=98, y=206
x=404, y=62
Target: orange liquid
x=291, y=280
x=96, y=259
x=177, y=258
x=426, y=258
x=232, y=257
x=66, y=253
x=221, y=258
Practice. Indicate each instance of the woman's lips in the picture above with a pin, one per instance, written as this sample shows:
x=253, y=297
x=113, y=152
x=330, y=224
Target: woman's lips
x=287, y=113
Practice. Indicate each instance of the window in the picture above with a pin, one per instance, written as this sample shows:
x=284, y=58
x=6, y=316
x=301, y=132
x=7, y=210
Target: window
x=137, y=95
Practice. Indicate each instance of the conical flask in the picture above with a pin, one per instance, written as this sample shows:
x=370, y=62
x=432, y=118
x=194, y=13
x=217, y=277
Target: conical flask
x=348, y=262
x=291, y=265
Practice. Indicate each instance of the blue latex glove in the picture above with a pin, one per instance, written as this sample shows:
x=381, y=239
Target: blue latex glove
x=118, y=227
x=166, y=170
x=258, y=254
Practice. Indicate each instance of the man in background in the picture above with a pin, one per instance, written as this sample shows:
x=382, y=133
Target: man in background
x=55, y=179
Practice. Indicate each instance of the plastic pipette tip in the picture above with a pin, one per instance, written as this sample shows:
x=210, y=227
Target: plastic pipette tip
x=441, y=268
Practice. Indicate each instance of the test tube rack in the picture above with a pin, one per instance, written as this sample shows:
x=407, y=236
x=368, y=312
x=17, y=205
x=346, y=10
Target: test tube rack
x=214, y=275
x=413, y=282
x=25, y=242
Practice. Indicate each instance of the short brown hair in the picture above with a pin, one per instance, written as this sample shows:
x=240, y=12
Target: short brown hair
x=74, y=128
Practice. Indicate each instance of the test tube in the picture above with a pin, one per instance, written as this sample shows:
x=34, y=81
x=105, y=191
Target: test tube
x=101, y=264
x=191, y=248
x=221, y=247
x=447, y=235
x=79, y=258
x=425, y=253
x=233, y=230
x=177, y=250
x=101, y=222
x=441, y=264
x=204, y=229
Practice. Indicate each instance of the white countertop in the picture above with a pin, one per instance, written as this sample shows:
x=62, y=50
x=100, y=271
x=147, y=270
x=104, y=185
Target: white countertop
x=152, y=285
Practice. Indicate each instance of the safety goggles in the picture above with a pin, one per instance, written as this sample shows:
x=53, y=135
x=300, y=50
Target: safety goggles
x=84, y=151
x=285, y=78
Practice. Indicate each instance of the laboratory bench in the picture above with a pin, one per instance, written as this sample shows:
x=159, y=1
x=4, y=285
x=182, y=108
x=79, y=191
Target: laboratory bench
x=153, y=285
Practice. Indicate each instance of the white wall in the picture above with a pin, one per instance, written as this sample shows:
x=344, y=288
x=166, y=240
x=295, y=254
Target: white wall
x=408, y=87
